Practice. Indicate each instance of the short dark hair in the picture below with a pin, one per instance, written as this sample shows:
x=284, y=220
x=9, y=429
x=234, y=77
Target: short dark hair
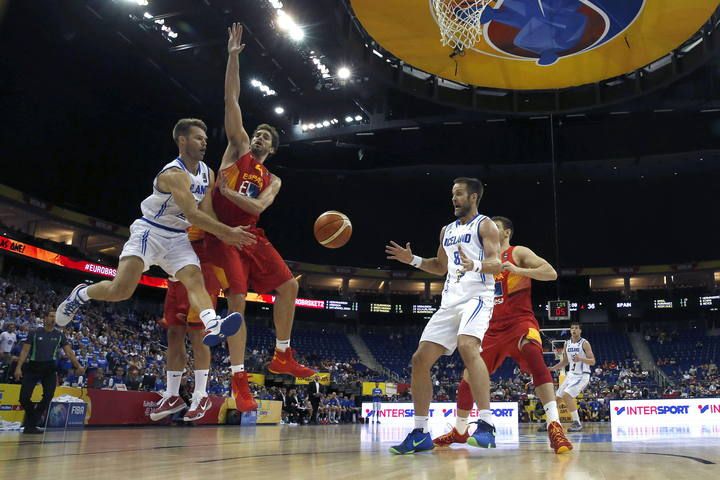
x=183, y=126
x=507, y=224
x=273, y=133
x=575, y=322
x=473, y=185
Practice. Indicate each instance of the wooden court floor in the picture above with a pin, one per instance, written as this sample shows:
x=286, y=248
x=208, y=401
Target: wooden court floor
x=342, y=452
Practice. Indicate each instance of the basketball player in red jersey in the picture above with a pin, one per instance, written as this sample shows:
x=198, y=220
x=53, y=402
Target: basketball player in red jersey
x=180, y=320
x=514, y=332
x=245, y=189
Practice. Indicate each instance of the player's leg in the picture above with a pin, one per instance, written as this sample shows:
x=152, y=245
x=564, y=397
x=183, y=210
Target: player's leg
x=244, y=400
x=141, y=250
x=531, y=360
x=176, y=358
x=120, y=288
x=200, y=404
x=268, y=272
x=571, y=392
x=423, y=359
x=493, y=354
x=216, y=328
x=283, y=312
x=475, y=320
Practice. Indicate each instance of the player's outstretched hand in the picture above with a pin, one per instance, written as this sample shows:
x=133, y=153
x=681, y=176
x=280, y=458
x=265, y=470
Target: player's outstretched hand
x=396, y=252
x=240, y=237
x=18, y=374
x=467, y=264
x=235, y=44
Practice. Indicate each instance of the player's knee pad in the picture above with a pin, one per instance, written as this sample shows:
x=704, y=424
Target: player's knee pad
x=533, y=356
x=464, y=396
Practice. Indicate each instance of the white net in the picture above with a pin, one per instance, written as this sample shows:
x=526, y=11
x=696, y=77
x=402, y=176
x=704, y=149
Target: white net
x=459, y=21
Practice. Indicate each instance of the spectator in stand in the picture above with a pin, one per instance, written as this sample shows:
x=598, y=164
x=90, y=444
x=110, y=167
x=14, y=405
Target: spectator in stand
x=8, y=339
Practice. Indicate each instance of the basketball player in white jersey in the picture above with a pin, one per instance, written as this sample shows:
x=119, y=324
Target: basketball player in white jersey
x=579, y=357
x=160, y=238
x=469, y=256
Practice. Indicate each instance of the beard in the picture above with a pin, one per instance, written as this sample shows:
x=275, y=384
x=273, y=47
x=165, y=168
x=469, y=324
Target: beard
x=257, y=151
x=463, y=211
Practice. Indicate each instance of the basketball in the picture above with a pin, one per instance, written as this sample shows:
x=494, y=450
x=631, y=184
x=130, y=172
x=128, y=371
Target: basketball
x=333, y=229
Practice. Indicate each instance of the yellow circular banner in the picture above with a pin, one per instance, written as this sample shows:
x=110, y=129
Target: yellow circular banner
x=532, y=44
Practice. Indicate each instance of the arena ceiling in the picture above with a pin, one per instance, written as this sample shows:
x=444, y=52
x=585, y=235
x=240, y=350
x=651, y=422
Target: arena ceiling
x=91, y=91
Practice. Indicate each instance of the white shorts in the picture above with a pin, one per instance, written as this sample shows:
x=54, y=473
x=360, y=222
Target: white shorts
x=573, y=384
x=469, y=318
x=169, y=250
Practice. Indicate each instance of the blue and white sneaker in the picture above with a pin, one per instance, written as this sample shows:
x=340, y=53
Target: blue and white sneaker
x=484, y=435
x=221, y=328
x=69, y=307
x=416, y=441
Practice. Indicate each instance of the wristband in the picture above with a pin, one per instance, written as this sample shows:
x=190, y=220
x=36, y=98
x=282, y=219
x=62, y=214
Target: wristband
x=477, y=266
x=416, y=261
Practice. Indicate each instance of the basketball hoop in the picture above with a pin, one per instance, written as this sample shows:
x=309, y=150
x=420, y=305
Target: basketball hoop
x=459, y=22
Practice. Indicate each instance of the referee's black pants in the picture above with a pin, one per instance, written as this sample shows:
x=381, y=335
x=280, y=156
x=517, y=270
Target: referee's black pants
x=34, y=372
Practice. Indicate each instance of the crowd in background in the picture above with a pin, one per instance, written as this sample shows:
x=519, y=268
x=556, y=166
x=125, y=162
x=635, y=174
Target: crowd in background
x=124, y=344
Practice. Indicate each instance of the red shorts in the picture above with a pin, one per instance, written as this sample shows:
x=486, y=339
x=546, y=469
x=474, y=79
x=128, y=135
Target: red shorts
x=258, y=266
x=500, y=343
x=177, y=305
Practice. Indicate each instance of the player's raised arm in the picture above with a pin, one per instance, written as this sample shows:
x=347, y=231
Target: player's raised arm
x=436, y=265
x=530, y=265
x=238, y=140
x=253, y=206
x=177, y=183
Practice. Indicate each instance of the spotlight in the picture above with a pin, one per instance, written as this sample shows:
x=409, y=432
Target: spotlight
x=255, y=83
x=311, y=126
x=147, y=15
x=296, y=34
x=318, y=125
x=304, y=128
x=348, y=119
x=358, y=118
x=326, y=123
x=343, y=73
x=284, y=22
x=271, y=92
x=279, y=110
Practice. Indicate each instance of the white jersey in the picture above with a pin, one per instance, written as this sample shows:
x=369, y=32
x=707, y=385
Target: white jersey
x=461, y=287
x=160, y=209
x=572, y=349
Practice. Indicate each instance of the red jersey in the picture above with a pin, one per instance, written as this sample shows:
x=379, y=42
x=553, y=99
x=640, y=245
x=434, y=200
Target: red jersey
x=248, y=177
x=512, y=293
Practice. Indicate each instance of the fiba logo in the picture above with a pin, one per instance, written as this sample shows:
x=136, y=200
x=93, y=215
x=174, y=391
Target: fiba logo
x=77, y=410
x=548, y=30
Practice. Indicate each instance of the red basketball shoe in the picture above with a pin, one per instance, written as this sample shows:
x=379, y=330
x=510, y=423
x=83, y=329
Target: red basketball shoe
x=198, y=408
x=244, y=401
x=166, y=407
x=453, y=436
x=283, y=362
x=558, y=440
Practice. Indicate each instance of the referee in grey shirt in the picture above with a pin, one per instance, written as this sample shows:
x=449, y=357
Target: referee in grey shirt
x=42, y=348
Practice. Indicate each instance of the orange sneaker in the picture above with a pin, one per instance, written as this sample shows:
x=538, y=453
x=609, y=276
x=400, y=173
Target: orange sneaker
x=558, y=441
x=244, y=401
x=283, y=362
x=453, y=436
